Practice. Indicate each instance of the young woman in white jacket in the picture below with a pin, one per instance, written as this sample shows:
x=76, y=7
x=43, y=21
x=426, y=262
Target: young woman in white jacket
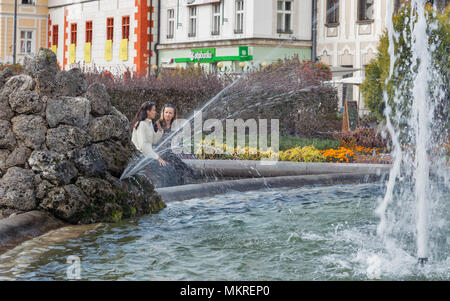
x=143, y=135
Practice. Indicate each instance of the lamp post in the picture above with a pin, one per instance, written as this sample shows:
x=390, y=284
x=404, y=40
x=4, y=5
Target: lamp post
x=242, y=65
x=155, y=70
x=15, y=32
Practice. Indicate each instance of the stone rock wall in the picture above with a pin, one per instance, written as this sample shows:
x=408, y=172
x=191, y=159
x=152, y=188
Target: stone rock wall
x=63, y=147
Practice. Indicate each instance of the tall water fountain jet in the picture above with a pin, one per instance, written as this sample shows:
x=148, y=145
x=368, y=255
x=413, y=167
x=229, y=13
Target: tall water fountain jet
x=416, y=118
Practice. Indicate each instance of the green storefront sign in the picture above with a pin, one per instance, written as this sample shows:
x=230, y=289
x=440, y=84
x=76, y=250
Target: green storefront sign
x=208, y=55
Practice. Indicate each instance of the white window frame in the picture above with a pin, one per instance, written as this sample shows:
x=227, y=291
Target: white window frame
x=216, y=19
x=239, y=17
x=192, y=30
x=170, y=23
x=283, y=13
x=31, y=2
x=366, y=10
x=26, y=39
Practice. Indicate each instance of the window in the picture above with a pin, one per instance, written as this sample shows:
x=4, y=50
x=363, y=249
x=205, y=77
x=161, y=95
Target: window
x=239, y=24
x=192, y=21
x=332, y=11
x=27, y=1
x=110, y=28
x=89, y=32
x=216, y=20
x=284, y=16
x=171, y=24
x=55, y=35
x=26, y=40
x=126, y=27
x=347, y=89
x=365, y=10
x=73, y=33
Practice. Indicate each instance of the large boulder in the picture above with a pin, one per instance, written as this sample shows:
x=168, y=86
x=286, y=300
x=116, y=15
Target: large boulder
x=53, y=167
x=25, y=102
x=98, y=190
x=63, y=147
x=6, y=113
x=88, y=161
x=45, y=82
x=115, y=155
x=71, y=83
x=18, y=157
x=17, y=189
x=42, y=189
x=108, y=127
x=21, y=82
x=4, y=154
x=43, y=67
x=7, y=138
x=30, y=130
x=68, y=203
x=65, y=138
x=45, y=59
x=99, y=98
x=5, y=74
x=68, y=110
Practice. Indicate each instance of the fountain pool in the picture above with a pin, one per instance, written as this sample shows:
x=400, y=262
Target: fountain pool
x=309, y=233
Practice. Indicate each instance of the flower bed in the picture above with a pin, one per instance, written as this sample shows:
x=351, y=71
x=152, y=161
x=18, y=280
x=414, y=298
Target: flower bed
x=344, y=154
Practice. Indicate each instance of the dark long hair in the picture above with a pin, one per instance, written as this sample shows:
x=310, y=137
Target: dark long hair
x=141, y=115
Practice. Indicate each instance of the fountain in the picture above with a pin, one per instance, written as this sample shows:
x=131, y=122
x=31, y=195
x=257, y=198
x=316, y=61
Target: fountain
x=413, y=122
x=314, y=232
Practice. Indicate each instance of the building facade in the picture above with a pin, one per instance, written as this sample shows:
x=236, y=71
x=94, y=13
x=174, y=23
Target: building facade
x=114, y=35
x=348, y=32
x=31, y=28
x=233, y=35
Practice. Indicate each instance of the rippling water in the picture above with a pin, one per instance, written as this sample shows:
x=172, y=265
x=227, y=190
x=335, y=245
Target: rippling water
x=310, y=233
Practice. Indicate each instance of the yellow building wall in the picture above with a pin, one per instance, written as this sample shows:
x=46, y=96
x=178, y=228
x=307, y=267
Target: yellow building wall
x=44, y=33
x=9, y=36
x=32, y=17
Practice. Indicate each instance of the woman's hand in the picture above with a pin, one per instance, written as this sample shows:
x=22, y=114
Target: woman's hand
x=162, y=162
x=158, y=125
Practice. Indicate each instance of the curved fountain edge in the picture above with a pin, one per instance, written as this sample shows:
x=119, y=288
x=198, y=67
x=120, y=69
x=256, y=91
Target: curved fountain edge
x=19, y=228
x=186, y=192
x=256, y=168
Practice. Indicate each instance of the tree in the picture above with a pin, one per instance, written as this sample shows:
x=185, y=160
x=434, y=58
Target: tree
x=401, y=80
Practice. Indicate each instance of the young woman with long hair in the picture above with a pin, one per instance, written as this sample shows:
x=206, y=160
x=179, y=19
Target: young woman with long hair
x=143, y=135
x=168, y=119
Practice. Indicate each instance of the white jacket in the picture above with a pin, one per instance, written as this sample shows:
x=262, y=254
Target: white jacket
x=144, y=136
